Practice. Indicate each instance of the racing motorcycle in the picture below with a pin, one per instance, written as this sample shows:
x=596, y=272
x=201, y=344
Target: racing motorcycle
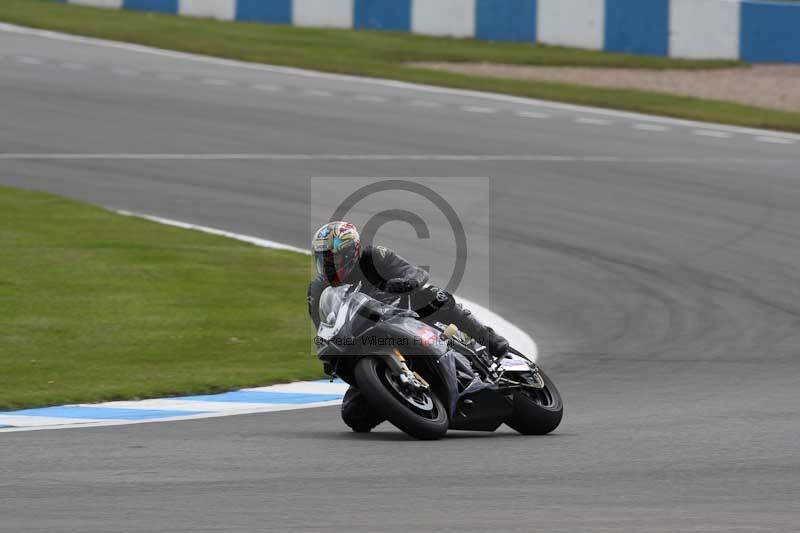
x=426, y=379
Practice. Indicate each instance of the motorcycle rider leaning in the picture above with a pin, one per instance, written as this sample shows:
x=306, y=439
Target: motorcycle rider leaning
x=384, y=275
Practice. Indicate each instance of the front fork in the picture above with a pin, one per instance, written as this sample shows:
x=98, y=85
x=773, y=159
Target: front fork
x=408, y=378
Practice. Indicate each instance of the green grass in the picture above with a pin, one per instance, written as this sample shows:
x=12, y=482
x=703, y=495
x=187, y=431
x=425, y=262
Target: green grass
x=384, y=54
x=98, y=306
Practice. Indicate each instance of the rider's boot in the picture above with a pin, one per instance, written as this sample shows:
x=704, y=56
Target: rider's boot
x=357, y=413
x=463, y=318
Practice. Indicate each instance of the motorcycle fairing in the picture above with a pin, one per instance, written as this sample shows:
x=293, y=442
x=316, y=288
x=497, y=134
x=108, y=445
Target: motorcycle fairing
x=340, y=305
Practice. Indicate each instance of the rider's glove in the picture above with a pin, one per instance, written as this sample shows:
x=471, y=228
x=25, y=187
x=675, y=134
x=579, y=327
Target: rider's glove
x=398, y=285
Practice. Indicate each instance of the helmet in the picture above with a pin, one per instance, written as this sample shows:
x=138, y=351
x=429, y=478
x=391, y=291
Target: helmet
x=337, y=250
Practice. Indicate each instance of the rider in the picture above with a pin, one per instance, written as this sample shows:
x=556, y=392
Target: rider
x=340, y=258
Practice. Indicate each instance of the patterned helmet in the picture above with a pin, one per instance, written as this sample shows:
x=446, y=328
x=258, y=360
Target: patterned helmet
x=337, y=250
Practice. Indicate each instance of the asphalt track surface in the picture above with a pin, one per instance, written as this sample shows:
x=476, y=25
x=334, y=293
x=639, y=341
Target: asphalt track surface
x=657, y=269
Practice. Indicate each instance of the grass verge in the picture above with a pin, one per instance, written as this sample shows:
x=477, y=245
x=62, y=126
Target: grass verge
x=384, y=54
x=98, y=306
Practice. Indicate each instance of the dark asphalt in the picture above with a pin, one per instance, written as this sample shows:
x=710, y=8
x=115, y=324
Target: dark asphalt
x=661, y=285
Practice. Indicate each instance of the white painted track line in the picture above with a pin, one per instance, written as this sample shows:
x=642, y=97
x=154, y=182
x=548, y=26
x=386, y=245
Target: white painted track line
x=264, y=243
x=593, y=121
x=166, y=76
x=266, y=87
x=478, y=109
x=550, y=158
x=370, y=98
x=216, y=82
x=532, y=114
x=773, y=140
x=125, y=71
x=28, y=60
x=713, y=134
x=74, y=66
x=650, y=127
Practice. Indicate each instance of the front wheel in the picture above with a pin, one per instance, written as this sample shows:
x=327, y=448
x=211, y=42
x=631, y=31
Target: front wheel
x=537, y=411
x=421, y=414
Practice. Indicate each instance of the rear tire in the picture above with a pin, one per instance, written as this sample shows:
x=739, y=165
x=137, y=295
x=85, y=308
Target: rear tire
x=369, y=373
x=537, y=412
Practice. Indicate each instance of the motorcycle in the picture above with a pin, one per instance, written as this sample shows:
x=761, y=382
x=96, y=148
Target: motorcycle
x=426, y=379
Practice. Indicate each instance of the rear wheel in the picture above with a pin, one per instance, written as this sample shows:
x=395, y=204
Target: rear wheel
x=419, y=413
x=537, y=411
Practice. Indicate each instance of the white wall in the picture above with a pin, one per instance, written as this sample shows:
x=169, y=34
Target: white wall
x=704, y=29
x=578, y=23
x=115, y=4
x=325, y=13
x=218, y=9
x=443, y=17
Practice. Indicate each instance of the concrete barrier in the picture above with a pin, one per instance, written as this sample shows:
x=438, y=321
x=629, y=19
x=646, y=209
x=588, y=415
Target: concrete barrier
x=323, y=13
x=755, y=31
x=704, y=28
x=576, y=23
x=455, y=18
x=218, y=9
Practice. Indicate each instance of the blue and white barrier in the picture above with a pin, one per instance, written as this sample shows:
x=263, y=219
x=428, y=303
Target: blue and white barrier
x=755, y=31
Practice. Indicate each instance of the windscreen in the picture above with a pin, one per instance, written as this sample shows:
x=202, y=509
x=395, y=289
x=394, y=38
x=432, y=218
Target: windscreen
x=330, y=302
x=341, y=305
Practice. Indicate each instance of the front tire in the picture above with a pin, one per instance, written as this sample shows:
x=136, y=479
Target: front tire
x=537, y=412
x=371, y=376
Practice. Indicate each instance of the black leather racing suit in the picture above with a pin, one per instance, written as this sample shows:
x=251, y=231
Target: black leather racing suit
x=380, y=272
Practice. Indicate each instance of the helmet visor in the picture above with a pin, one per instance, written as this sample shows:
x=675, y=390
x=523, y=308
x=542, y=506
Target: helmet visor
x=334, y=267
